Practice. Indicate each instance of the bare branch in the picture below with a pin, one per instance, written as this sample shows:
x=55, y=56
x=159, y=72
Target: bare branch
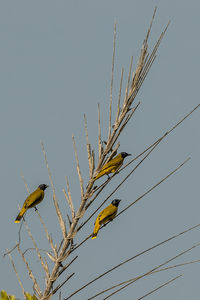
x=37, y=249
x=17, y=274
x=69, y=198
x=88, y=146
x=60, y=218
x=17, y=243
x=78, y=168
x=47, y=234
x=25, y=183
x=128, y=83
x=152, y=273
x=119, y=99
x=132, y=258
x=111, y=84
x=156, y=268
x=67, y=265
x=99, y=135
x=160, y=286
x=60, y=285
x=36, y=286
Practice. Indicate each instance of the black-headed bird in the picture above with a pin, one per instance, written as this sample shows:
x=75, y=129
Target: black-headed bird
x=113, y=165
x=32, y=200
x=106, y=215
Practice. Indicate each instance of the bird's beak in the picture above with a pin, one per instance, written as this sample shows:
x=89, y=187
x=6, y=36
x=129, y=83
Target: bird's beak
x=129, y=154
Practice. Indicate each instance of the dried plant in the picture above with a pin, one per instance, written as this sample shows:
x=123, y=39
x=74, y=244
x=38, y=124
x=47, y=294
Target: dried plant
x=57, y=259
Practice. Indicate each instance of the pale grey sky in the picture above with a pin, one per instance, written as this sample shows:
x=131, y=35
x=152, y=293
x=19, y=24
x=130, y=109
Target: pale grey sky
x=55, y=66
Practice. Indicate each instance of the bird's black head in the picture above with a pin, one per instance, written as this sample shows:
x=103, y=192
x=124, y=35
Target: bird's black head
x=115, y=202
x=124, y=154
x=43, y=186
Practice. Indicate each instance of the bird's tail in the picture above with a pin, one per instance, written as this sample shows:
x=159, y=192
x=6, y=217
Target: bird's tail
x=96, y=229
x=20, y=215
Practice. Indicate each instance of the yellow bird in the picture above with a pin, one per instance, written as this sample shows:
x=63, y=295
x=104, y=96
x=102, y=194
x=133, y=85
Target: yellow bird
x=112, y=165
x=106, y=215
x=32, y=200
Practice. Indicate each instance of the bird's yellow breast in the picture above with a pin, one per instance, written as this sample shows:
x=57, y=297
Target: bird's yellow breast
x=107, y=214
x=34, y=198
x=115, y=162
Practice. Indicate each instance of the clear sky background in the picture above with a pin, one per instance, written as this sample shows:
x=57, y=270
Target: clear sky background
x=55, y=65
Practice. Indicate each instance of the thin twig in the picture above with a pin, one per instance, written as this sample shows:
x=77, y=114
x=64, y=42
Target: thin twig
x=40, y=217
x=119, y=98
x=99, y=135
x=60, y=285
x=69, y=198
x=152, y=273
x=160, y=286
x=17, y=243
x=155, y=268
x=36, y=286
x=132, y=258
x=111, y=84
x=78, y=168
x=17, y=274
x=60, y=218
x=36, y=248
x=153, y=187
x=88, y=146
x=128, y=83
x=67, y=265
x=49, y=238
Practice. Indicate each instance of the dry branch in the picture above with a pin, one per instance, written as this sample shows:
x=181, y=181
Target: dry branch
x=36, y=286
x=37, y=249
x=17, y=274
x=111, y=84
x=88, y=146
x=160, y=286
x=78, y=168
x=69, y=198
x=60, y=218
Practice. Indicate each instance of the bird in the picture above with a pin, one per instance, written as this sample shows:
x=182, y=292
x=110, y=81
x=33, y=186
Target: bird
x=112, y=165
x=32, y=200
x=106, y=215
